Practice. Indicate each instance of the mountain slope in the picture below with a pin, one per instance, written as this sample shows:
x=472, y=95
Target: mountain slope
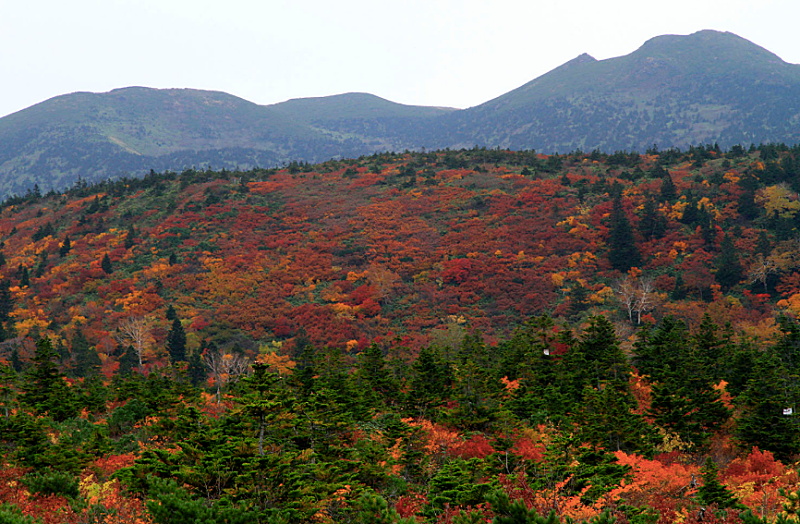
x=674, y=91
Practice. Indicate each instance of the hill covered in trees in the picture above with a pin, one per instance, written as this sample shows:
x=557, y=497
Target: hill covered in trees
x=408, y=336
x=674, y=91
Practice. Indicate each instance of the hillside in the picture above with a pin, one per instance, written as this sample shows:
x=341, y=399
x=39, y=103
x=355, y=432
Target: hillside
x=405, y=337
x=674, y=91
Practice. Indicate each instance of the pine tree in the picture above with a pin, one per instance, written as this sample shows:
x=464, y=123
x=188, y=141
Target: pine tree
x=25, y=277
x=622, y=251
x=176, y=342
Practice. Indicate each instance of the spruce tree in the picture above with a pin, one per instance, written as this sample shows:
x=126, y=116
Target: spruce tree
x=770, y=391
x=105, y=265
x=176, y=342
x=65, y=248
x=712, y=491
x=86, y=360
x=622, y=251
x=668, y=192
x=729, y=270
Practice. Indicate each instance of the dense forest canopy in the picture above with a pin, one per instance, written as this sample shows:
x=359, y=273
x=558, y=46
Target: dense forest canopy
x=450, y=336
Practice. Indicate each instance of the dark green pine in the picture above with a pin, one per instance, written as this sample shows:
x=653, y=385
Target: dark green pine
x=622, y=251
x=176, y=342
x=729, y=270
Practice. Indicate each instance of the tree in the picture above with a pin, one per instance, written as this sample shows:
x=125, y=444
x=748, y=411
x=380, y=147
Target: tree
x=176, y=342
x=712, y=491
x=86, y=360
x=105, y=265
x=44, y=387
x=622, y=251
x=729, y=270
x=652, y=224
x=135, y=332
x=65, y=248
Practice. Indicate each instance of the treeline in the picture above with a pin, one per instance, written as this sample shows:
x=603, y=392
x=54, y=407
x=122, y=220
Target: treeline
x=493, y=431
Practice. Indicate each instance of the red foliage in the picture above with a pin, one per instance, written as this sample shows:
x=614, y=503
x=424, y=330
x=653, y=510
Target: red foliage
x=476, y=447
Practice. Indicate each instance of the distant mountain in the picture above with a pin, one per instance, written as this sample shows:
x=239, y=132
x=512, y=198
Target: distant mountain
x=674, y=91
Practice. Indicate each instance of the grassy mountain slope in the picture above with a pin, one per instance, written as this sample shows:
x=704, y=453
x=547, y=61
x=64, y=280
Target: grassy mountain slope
x=673, y=91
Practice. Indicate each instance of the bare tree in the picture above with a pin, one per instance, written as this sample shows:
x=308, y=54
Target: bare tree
x=638, y=296
x=645, y=300
x=627, y=290
x=226, y=368
x=136, y=332
x=761, y=269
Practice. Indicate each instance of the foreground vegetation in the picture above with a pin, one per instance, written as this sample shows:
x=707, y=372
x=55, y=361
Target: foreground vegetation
x=456, y=336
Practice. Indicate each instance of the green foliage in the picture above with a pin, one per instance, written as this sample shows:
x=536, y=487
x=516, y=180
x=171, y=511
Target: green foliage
x=712, y=491
x=50, y=482
x=170, y=504
x=10, y=514
x=623, y=253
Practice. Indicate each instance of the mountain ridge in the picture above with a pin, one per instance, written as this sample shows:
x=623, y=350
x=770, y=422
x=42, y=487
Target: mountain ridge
x=674, y=91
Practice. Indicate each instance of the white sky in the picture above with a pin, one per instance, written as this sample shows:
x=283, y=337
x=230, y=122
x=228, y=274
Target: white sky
x=427, y=52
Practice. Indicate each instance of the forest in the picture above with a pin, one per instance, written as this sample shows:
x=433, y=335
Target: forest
x=435, y=337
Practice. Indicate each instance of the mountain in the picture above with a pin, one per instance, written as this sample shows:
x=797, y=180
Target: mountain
x=674, y=91
x=136, y=129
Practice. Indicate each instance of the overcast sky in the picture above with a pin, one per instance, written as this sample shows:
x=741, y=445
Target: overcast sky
x=427, y=52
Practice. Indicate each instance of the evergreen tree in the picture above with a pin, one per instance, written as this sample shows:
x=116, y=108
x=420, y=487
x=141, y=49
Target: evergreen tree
x=763, y=246
x=652, y=224
x=668, y=192
x=622, y=251
x=86, y=360
x=130, y=237
x=65, y=248
x=176, y=342
x=196, y=369
x=729, y=270
x=431, y=380
x=105, y=265
x=171, y=314
x=25, y=277
x=44, y=388
x=6, y=301
x=712, y=491
x=770, y=391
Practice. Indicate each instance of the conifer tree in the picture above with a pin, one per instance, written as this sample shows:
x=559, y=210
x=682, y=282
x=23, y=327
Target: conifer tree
x=176, y=342
x=105, y=265
x=712, y=491
x=622, y=251
x=729, y=270
x=65, y=248
x=652, y=224
x=25, y=278
x=668, y=192
x=44, y=388
x=86, y=360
